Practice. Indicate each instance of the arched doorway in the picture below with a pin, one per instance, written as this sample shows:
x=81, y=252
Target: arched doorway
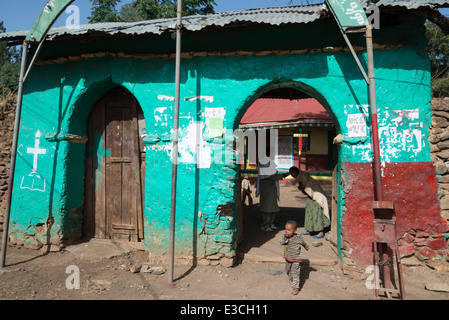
x=297, y=131
x=115, y=159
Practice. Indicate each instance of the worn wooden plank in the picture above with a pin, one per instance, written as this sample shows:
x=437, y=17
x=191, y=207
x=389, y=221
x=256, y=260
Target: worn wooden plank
x=88, y=211
x=141, y=128
x=136, y=168
x=129, y=174
x=119, y=160
x=141, y=200
x=316, y=262
x=123, y=226
x=113, y=170
x=98, y=167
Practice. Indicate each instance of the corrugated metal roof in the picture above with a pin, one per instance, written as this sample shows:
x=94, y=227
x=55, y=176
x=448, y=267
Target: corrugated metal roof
x=414, y=4
x=266, y=110
x=274, y=16
x=268, y=113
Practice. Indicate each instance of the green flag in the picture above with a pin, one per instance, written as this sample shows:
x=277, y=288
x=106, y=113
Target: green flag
x=48, y=16
x=348, y=13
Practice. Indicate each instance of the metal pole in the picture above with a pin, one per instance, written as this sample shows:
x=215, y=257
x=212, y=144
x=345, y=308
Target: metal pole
x=373, y=110
x=13, y=154
x=175, y=145
x=355, y=56
x=376, y=148
x=38, y=50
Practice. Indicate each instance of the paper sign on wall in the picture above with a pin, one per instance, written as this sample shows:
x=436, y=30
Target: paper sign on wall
x=356, y=125
x=214, y=113
x=215, y=127
x=214, y=121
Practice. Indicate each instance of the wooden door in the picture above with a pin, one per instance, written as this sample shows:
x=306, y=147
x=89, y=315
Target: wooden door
x=113, y=182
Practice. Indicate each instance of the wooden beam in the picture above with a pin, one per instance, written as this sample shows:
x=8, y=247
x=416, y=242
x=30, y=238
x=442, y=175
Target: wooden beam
x=308, y=262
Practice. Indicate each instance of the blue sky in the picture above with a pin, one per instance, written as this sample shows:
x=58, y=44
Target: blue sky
x=21, y=14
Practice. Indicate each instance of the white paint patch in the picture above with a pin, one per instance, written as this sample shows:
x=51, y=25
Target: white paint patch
x=192, y=147
x=403, y=135
x=160, y=118
x=34, y=181
x=205, y=98
x=163, y=97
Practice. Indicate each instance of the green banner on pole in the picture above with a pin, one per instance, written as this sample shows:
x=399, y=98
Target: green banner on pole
x=48, y=16
x=349, y=13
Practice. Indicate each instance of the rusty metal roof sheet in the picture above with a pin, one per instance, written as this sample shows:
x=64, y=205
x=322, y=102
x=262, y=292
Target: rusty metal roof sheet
x=274, y=16
x=413, y=4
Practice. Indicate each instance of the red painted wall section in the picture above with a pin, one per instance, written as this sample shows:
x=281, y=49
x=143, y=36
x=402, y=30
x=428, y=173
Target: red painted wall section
x=414, y=190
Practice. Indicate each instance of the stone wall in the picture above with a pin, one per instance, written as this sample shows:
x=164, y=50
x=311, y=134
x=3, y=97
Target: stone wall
x=439, y=144
x=431, y=245
x=6, y=137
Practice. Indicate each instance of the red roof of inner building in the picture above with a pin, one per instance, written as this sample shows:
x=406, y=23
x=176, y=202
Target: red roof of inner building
x=279, y=110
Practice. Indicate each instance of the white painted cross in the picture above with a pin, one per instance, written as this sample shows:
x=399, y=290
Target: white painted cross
x=36, y=150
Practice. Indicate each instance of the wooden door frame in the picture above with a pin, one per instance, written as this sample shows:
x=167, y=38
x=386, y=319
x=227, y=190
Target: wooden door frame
x=97, y=224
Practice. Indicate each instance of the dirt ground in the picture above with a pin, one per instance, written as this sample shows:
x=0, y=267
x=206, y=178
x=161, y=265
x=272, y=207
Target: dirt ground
x=106, y=271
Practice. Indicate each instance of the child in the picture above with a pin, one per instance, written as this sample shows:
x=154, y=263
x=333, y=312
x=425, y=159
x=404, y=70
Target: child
x=246, y=190
x=292, y=243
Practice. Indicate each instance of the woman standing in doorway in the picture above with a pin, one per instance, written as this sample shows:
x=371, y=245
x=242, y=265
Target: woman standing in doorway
x=267, y=186
x=317, y=208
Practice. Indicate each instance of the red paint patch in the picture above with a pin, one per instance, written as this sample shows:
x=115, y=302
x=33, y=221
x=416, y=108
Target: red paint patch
x=442, y=227
x=409, y=238
x=412, y=187
x=437, y=244
x=427, y=253
x=422, y=234
x=407, y=250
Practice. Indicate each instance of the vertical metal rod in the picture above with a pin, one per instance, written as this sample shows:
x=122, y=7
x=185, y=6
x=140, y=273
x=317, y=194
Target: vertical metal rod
x=13, y=154
x=175, y=145
x=373, y=110
x=376, y=149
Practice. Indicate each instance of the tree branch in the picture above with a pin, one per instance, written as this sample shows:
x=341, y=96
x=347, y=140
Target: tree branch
x=440, y=20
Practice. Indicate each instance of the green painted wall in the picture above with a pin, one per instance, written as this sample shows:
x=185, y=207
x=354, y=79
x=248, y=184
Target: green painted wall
x=59, y=97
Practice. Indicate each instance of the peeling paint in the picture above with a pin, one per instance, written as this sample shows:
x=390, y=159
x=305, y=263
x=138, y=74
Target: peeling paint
x=64, y=94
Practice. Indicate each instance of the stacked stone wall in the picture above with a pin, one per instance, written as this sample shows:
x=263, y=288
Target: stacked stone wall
x=7, y=116
x=439, y=150
x=431, y=245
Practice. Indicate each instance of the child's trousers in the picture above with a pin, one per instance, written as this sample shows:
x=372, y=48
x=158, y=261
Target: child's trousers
x=293, y=270
x=247, y=193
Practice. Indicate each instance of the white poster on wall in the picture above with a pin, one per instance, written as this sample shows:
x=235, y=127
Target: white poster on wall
x=214, y=121
x=356, y=125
